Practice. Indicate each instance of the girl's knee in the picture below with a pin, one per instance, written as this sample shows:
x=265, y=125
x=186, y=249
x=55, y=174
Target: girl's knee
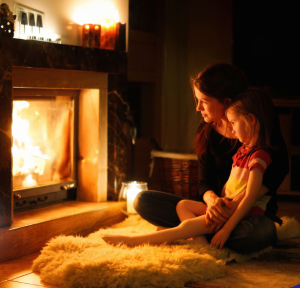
x=181, y=205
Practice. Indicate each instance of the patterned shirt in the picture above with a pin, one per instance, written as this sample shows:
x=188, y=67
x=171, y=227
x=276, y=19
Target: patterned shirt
x=243, y=161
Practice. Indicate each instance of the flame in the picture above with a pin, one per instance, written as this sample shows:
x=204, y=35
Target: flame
x=27, y=158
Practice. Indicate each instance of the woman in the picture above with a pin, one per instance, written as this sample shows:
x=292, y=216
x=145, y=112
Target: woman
x=213, y=89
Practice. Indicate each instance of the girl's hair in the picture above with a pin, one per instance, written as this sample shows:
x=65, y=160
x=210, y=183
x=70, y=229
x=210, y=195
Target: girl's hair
x=259, y=104
x=220, y=81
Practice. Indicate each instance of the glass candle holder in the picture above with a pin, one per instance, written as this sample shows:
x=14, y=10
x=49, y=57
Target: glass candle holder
x=129, y=191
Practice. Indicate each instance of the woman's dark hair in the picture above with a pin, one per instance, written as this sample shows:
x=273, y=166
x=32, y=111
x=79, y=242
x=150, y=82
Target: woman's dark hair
x=259, y=104
x=220, y=81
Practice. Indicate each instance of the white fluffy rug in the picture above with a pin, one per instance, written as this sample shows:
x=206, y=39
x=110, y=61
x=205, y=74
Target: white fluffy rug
x=69, y=261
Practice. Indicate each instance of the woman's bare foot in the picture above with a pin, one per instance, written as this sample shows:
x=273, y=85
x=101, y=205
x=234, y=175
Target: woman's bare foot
x=159, y=228
x=116, y=239
x=200, y=240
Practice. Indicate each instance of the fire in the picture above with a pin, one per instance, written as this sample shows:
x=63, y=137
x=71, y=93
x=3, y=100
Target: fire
x=27, y=158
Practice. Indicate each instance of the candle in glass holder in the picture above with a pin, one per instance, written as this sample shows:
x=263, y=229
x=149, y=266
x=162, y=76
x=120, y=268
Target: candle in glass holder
x=128, y=193
x=108, y=34
x=91, y=35
x=85, y=35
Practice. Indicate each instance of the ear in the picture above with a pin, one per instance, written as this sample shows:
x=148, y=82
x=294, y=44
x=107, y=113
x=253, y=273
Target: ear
x=252, y=119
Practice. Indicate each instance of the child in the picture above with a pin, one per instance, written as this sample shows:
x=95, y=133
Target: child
x=250, y=116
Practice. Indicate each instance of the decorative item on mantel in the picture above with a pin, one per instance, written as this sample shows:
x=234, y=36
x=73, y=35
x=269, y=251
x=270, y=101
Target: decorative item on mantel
x=91, y=35
x=7, y=21
x=108, y=35
x=129, y=191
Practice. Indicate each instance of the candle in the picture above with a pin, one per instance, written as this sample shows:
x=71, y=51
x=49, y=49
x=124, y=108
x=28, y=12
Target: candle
x=108, y=34
x=131, y=194
x=128, y=193
x=91, y=35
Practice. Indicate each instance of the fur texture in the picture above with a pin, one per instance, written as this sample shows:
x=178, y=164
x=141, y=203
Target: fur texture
x=289, y=229
x=69, y=261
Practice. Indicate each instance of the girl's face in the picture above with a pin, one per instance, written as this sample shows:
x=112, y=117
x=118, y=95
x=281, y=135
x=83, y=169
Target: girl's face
x=211, y=109
x=239, y=127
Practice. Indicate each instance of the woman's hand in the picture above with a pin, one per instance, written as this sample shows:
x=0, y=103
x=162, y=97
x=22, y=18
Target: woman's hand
x=220, y=238
x=215, y=214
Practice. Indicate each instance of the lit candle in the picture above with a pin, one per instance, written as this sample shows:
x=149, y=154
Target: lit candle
x=108, y=33
x=131, y=194
x=85, y=35
x=128, y=193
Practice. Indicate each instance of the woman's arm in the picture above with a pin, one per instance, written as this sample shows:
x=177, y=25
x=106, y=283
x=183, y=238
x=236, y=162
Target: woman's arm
x=215, y=214
x=208, y=167
x=252, y=193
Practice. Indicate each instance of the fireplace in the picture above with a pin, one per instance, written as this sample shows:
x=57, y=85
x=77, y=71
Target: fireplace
x=44, y=152
x=89, y=86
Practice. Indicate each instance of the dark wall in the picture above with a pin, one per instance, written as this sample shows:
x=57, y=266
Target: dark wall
x=266, y=44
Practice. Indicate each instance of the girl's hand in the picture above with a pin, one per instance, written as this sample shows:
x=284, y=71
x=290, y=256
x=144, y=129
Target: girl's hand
x=215, y=215
x=220, y=238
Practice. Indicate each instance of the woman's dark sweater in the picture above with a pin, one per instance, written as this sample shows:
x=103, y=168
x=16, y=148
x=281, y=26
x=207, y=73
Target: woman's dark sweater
x=216, y=161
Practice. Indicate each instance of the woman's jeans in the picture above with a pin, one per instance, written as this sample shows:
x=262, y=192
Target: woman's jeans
x=250, y=235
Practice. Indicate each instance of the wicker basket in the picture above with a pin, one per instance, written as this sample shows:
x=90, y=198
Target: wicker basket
x=178, y=173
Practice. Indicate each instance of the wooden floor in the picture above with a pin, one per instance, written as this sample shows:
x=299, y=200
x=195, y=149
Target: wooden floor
x=17, y=273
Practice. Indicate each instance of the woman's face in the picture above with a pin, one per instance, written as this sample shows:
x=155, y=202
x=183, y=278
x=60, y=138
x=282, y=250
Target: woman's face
x=211, y=109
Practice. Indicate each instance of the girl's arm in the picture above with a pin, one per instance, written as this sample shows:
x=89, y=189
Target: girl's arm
x=252, y=193
x=238, y=198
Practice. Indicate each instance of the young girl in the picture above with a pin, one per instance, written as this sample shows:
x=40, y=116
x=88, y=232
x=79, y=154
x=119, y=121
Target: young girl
x=251, y=117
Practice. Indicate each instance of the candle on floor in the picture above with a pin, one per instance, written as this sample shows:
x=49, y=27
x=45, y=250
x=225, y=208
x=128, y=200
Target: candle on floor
x=131, y=194
x=128, y=193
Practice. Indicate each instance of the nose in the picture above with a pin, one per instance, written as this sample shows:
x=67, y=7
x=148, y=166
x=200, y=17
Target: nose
x=199, y=106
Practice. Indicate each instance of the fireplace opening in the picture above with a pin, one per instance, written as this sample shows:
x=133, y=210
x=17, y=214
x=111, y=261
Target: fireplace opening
x=44, y=148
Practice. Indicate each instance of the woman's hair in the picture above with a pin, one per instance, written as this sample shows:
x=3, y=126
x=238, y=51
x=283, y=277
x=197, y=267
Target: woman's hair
x=260, y=105
x=220, y=81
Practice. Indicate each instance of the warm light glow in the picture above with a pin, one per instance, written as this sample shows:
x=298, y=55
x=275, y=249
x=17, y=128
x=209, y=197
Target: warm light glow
x=87, y=27
x=92, y=11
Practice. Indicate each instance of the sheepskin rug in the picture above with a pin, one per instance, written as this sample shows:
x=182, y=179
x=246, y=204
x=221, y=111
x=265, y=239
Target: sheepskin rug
x=73, y=261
